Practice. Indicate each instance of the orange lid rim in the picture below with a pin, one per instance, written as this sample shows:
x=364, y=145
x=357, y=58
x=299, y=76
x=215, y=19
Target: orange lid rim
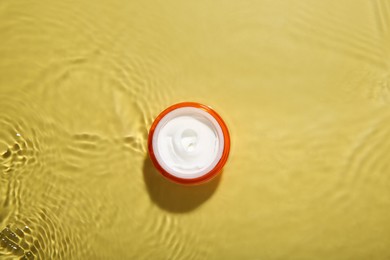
x=213, y=172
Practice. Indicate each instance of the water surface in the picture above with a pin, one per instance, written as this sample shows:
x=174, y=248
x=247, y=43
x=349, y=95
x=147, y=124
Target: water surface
x=304, y=87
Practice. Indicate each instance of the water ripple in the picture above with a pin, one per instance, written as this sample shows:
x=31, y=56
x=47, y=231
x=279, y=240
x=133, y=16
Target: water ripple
x=335, y=34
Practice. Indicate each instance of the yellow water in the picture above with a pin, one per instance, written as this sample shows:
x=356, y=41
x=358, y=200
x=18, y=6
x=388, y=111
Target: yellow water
x=304, y=87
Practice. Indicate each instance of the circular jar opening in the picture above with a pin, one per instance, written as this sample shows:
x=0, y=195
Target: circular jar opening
x=189, y=143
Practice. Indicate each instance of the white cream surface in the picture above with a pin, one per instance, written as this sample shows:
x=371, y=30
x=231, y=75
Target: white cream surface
x=188, y=142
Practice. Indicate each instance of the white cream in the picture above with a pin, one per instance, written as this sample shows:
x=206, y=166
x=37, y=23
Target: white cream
x=188, y=142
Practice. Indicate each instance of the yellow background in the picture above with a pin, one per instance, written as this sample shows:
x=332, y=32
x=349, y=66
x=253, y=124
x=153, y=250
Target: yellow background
x=304, y=87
